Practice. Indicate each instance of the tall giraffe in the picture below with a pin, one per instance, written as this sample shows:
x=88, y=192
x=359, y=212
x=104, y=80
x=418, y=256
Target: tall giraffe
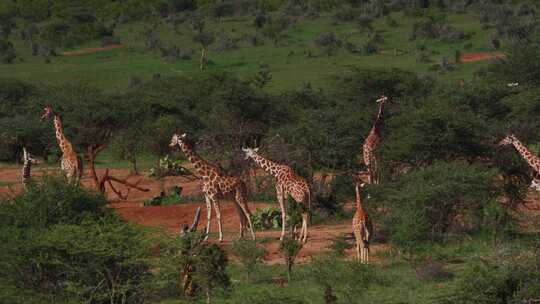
x=215, y=186
x=287, y=183
x=362, y=228
x=372, y=142
x=26, y=174
x=530, y=158
x=71, y=163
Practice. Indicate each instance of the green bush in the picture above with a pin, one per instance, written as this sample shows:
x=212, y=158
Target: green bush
x=249, y=254
x=266, y=218
x=290, y=248
x=495, y=282
x=348, y=280
x=58, y=241
x=168, y=167
x=430, y=203
x=52, y=201
x=7, y=51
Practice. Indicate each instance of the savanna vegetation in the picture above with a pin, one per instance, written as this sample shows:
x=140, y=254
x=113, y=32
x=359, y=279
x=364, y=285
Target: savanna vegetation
x=298, y=79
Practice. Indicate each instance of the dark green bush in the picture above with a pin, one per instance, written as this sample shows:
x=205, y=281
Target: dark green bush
x=52, y=201
x=499, y=280
x=249, y=254
x=427, y=204
x=59, y=241
x=7, y=51
x=348, y=280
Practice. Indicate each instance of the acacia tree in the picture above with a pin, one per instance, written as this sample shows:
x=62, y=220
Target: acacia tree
x=91, y=119
x=204, y=38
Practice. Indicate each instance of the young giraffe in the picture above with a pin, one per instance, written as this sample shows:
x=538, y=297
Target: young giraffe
x=70, y=163
x=362, y=228
x=372, y=142
x=530, y=158
x=26, y=175
x=215, y=186
x=287, y=182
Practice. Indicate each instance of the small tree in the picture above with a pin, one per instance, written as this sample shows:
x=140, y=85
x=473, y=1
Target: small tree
x=210, y=270
x=290, y=248
x=250, y=255
x=204, y=38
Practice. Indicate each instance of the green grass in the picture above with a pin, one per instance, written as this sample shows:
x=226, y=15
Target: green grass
x=396, y=280
x=290, y=67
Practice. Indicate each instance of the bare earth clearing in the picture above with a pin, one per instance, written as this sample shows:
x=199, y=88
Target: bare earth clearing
x=172, y=217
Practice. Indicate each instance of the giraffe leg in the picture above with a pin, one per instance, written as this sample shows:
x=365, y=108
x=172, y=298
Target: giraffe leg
x=281, y=201
x=303, y=232
x=374, y=170
x=241, y=217
x=208, y=215
x=246, y=215
x=217, y=208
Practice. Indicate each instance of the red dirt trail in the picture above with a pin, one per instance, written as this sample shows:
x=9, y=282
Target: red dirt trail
x=87, y=51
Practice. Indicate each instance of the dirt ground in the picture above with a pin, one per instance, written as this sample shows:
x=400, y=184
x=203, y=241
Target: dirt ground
x=472, y=57
x=86, y=51
x=172, y=217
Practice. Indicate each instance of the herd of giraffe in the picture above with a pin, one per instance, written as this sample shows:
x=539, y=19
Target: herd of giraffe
x=216, y=185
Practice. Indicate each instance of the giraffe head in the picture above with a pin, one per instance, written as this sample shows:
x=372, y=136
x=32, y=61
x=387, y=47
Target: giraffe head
x=47, y=112
x=250, y=152
x=177, y=139
x=508, y=140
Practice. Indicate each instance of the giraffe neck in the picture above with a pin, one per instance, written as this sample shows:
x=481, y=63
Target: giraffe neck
x=64, y=144
x=267, y=165
x=358, y=198
x=378, y=119
x=529, y=157
x=201, y=165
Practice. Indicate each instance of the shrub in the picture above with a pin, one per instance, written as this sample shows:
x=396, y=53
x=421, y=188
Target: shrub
x=339, y=245
x=7, y=51
x=266, y=218
x=249, y=254
x=174, y=197
x=106, y=261
x=210, y=270
x=53, y=201
x=347, y=280
x=424, y=204
x=58, y=241
x=290, y=249
x=510, y=275
x=430, y=270
x=168, y=167
x=329, y=42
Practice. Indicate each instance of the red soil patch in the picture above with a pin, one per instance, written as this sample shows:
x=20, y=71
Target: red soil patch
x=482, y=56
x=86, y=51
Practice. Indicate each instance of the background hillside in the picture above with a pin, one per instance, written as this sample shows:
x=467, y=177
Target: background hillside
x=298, y=42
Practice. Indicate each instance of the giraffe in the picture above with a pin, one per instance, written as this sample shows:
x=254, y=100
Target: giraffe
x=372, y=142
x=215, y=186
x=287, y=183
x=530, y=158
x=362, y=228
x=26, y=175
x=71, y=163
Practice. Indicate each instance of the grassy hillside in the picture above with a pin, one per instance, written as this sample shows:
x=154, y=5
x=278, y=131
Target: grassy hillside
x=293, y=61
